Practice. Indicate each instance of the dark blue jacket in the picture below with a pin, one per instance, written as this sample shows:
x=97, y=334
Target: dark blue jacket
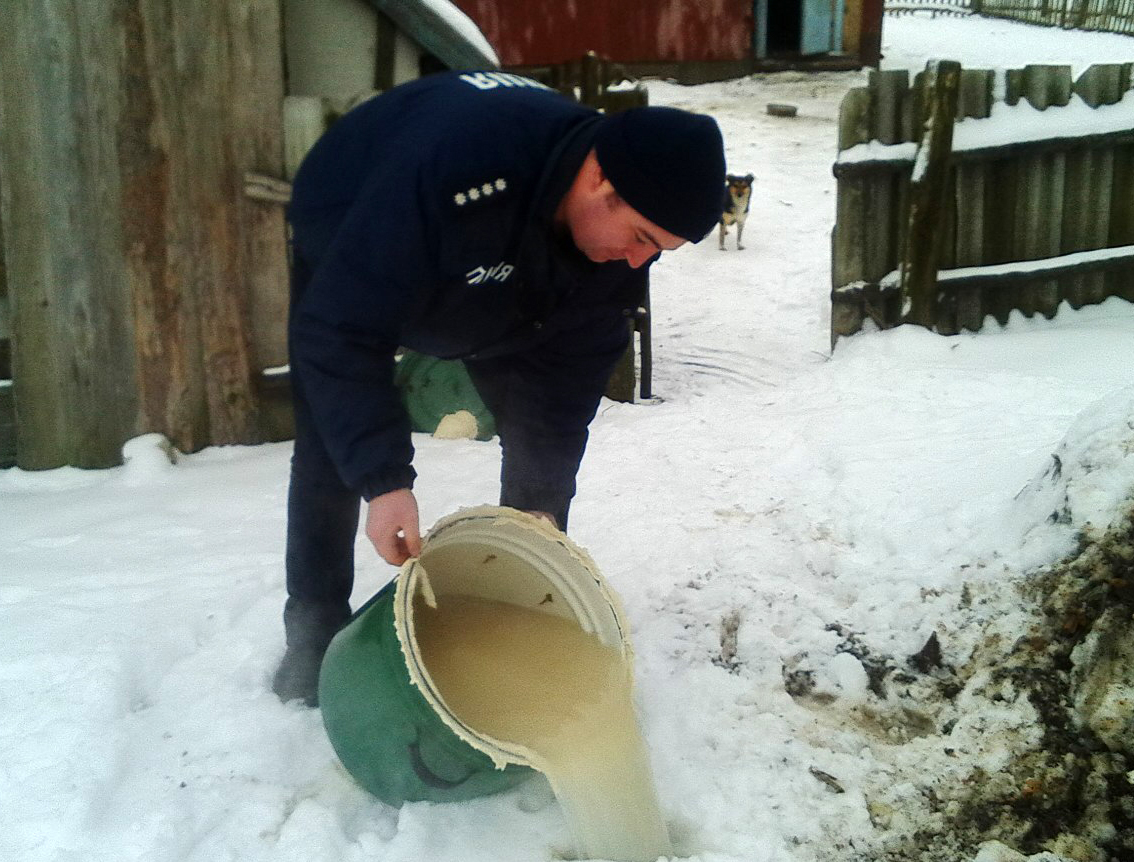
x=424, y=217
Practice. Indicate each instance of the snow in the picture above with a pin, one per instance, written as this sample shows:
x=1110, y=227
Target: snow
x=809, y=495
x=1012, y=124
x=986, y=43
x=1021, y=267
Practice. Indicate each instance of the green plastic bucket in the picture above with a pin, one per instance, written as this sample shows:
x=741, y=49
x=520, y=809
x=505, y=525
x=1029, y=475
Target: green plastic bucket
x=432, y=389
x=387, y=722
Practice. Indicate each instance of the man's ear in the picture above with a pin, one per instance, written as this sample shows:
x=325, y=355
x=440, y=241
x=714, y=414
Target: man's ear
x=593, y=176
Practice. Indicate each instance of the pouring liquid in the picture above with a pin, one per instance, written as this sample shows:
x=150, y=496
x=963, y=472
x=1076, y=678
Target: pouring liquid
x=540, y=681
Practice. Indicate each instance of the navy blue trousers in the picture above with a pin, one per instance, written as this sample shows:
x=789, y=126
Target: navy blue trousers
x=322, y=522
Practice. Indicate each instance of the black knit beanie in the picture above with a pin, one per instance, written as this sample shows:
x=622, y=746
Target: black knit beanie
x=667, y=164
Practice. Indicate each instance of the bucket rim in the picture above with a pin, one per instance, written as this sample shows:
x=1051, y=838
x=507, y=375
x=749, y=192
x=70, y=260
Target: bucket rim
x=413, y=578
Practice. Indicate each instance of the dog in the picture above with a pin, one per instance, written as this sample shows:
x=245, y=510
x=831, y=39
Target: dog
x=734, y=207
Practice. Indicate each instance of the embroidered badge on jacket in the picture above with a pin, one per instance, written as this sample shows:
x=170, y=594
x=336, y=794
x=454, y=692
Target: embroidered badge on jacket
x=499, y=272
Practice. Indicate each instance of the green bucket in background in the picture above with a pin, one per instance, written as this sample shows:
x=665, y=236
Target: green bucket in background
x=432, y=389
x=386, y=720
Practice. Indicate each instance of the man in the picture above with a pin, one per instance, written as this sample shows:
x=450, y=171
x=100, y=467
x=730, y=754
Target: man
x=479, y=216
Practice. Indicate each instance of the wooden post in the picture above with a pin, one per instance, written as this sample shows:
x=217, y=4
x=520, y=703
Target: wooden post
x=589, y=79
x=135, y=262
x=644, y=325
x=848, y=239
x=870, y=38
x=918, y=272
x=620, y=385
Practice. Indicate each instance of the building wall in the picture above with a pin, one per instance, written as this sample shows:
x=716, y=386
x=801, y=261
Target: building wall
x=536, y=32
x=406, y=64
x=331, y=47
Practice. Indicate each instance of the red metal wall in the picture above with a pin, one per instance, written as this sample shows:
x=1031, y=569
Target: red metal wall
x=535, y=32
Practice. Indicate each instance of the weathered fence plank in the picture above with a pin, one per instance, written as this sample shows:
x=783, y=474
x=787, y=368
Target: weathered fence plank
x=1041, y=190
x=1122, y=220
x=137, y=265
x=1090, y=182
x=848, y=239
x=974, y=101
x=73, y=358
x=1003, y=211
x=881, y=192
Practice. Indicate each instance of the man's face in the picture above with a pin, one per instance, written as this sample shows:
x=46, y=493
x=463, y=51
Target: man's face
x=604, y=228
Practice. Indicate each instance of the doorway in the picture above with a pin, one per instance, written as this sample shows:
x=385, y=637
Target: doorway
x=797, y=28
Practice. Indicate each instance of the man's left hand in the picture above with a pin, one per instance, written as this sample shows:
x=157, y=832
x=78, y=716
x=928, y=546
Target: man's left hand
x=547, y=516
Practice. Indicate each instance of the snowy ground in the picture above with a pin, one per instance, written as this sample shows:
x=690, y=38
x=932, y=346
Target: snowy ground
x=805, y=499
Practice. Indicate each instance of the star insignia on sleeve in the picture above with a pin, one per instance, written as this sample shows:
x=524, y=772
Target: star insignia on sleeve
x=481, y=191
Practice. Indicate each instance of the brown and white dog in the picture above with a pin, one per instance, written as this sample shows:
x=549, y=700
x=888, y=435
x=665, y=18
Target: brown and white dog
x=734, y=207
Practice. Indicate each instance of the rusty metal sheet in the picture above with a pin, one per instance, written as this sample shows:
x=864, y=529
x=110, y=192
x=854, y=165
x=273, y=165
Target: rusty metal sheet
x=537, y=32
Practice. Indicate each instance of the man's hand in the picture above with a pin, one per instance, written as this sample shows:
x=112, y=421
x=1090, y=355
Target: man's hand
x=392, y=525
x=547, y=516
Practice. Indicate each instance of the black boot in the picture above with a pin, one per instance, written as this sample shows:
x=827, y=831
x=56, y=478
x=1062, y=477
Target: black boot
x=310, y=628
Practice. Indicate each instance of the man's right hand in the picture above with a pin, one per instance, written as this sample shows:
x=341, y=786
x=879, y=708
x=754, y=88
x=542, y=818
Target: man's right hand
x=392, y=525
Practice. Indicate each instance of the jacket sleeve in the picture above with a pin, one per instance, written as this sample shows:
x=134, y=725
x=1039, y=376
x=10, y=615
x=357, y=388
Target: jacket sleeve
x=344, y=332
x=544, y=399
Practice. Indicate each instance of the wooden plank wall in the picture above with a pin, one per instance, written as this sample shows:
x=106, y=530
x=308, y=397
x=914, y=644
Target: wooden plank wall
x=1022, y=202
x=7, y=407
x=136, y=267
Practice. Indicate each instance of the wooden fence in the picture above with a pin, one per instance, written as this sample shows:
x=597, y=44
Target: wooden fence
x=1024, y=204
x=932, y=8
x=135, y=266
x=1112, y=16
